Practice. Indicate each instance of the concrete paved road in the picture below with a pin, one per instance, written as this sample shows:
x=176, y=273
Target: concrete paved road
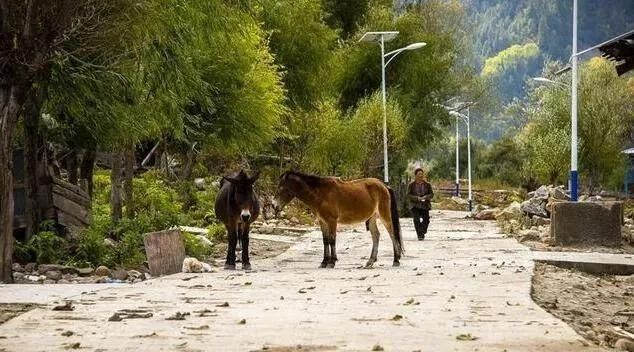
x=466, y=288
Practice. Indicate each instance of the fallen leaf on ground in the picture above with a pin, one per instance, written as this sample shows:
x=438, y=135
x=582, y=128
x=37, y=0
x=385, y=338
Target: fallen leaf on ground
x=68, y=306
x=178, y=316
x=377, y=347
x=466, y=337
x=202, y=327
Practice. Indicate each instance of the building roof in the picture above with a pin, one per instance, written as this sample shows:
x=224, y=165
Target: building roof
x=621, y=50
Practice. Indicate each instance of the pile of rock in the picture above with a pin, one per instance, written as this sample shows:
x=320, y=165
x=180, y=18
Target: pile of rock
x=62, y=274
x=513, y=211
x=628, y=230
x=541, y=201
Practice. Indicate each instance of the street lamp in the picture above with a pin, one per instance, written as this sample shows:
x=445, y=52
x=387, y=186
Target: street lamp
x=467, y=120
x=381, y=38
x=549, y=81
x=573, y=147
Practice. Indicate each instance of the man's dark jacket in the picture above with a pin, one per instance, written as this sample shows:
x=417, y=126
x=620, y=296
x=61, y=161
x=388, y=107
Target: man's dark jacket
x=416, y=190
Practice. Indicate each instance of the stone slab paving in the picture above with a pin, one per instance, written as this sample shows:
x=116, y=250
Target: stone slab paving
x=588, y=257
x=592, y=262
x=465, y=280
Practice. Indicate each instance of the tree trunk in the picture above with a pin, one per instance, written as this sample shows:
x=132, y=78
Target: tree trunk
x=189, y=164
x=129, y=161
x=35, y=159
x=11, y=100
x=71, y=166
x=115, y=193
x=87, y=169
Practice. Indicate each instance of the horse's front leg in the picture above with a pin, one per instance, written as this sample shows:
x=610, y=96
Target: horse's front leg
x=374, y=231
x=324, y=234
x=232, y=237
x=332, y=243
x=246, y=264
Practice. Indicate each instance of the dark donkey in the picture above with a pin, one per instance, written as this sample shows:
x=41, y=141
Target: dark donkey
x=237, y=207
x=334, y=202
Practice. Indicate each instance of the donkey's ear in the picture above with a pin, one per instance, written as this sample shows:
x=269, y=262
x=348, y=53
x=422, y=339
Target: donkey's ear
x=255, y=176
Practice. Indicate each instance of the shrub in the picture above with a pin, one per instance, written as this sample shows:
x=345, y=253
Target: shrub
x=48, y=247
x=194, y=247
x=217, y=233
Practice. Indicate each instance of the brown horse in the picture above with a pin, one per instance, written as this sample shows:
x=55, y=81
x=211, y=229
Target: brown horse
x=337, y=202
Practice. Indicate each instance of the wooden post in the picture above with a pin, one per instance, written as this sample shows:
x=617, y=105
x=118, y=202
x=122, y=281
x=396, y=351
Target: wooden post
x=165, y=252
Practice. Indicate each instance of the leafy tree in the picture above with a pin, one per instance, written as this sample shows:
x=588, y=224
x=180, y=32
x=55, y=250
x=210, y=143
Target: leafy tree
x=302, y=44
x=510, y=68
x=337, y=147
x=369, y=117
x=420, y=80
x=32, y=34
x=503, y=160
x=605, y=119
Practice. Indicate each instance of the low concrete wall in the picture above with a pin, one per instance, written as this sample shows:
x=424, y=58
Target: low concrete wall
x=587, y=223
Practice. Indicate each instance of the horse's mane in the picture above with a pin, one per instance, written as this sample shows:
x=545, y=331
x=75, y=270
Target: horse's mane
x=310, y=180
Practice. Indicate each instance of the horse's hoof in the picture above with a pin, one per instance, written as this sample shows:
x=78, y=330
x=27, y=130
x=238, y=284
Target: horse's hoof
x=246, y=266
x=330, y=265
x=230, y=267
x=396, y=263
x=369, y=265
x=323, y=264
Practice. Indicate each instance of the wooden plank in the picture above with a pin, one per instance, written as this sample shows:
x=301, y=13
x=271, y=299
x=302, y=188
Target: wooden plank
x=69, y=186
x=82, y=200
x=69, y=220
x=165, y=252
x=70, y=207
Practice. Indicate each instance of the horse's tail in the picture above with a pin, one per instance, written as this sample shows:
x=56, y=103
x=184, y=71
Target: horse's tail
x=396, y=224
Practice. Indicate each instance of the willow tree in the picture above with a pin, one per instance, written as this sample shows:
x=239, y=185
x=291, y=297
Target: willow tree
x=31, y=36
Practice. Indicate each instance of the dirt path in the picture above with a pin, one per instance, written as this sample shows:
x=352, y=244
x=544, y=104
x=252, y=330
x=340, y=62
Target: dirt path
x=467, y=288
x=601, y=308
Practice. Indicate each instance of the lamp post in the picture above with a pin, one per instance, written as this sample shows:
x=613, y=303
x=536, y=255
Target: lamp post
x=381, y=38
x=573, y=134
x=457, y=157
x=467, y=120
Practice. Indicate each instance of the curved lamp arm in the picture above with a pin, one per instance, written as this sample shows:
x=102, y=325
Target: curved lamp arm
x=395, y=53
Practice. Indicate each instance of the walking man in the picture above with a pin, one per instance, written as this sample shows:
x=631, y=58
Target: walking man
x=420, y=194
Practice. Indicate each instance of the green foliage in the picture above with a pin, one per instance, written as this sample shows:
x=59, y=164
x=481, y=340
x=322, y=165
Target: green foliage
x=346, y=15
x=194, y=247
x=337, y=147
x=47, y=245
x=510, y=68
x=302, y=44
x=503, y=160
x=509, y=58
x=369, y=118
x=605, y=119
x=217, y=232
x=419, y=80
x=156, y=205
x=201, y=211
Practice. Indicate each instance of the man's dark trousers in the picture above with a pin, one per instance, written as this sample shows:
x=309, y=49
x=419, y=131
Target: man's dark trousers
x=421, y=221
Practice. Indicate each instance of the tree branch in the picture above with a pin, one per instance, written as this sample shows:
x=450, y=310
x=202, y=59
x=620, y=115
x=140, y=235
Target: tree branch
x=26, y=34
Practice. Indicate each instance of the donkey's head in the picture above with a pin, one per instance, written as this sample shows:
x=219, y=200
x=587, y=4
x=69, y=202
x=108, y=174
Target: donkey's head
x=286, y=191
x=243, y=195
